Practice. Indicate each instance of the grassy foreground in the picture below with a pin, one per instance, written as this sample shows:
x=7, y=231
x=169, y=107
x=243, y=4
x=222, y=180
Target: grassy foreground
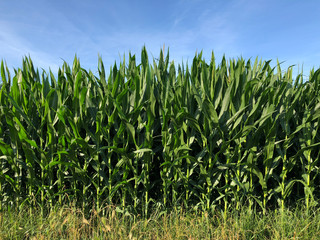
x=68, y=222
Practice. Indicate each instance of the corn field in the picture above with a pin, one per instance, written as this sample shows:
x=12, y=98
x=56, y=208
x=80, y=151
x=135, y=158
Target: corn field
x=156, y=134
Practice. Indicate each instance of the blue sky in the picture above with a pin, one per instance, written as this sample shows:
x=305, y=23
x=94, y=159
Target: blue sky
x=56, y=30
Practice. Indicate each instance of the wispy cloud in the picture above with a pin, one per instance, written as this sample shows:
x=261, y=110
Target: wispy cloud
x=111, y=29
x=14, y=47
x=62, y=38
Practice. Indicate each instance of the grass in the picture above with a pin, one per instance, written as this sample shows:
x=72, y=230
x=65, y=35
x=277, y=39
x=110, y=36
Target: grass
x=69, y=222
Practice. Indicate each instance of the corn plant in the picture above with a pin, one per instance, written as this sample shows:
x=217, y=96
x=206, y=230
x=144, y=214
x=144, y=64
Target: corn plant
x=203, y=137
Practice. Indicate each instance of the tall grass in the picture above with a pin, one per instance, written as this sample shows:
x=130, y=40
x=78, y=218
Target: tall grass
x=216, y=136
x=68, y=222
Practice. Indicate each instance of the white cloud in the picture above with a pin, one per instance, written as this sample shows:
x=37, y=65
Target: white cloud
x=193, y=25
x=14, y=47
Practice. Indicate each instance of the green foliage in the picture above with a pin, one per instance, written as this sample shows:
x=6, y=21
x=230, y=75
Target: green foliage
x=213, y=137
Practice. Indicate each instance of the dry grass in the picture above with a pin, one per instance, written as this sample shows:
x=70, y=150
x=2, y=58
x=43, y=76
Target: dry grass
x=71, y=223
